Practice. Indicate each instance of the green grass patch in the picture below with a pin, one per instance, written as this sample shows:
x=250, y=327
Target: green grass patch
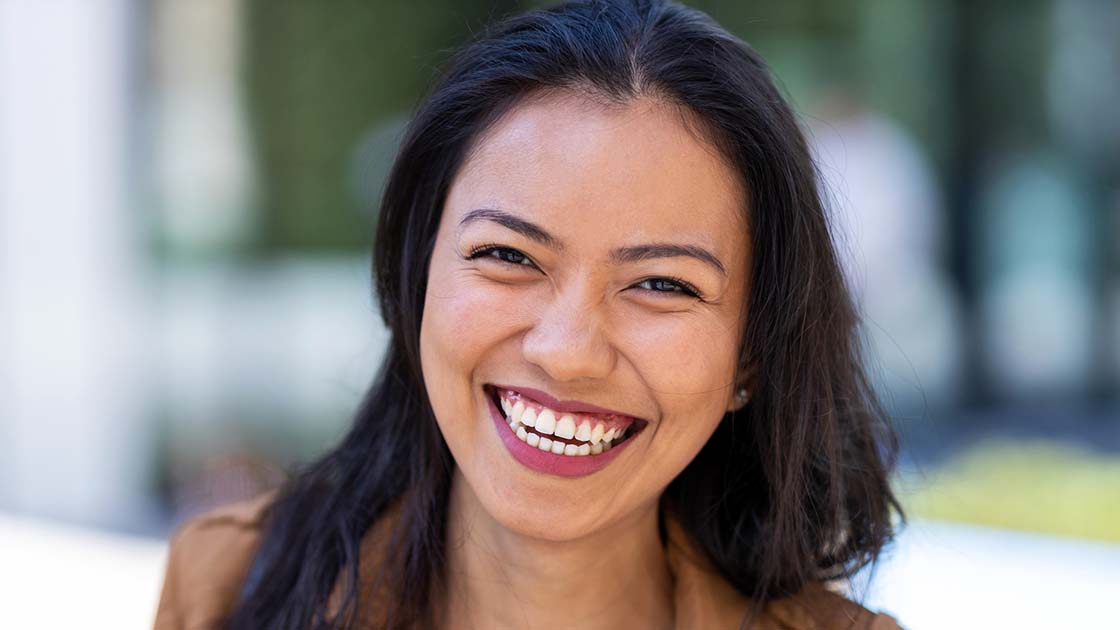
x=1039, y=487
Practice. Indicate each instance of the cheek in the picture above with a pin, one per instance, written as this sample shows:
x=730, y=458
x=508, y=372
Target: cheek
x=688, y=365
x=464, y=322
x=691, y=358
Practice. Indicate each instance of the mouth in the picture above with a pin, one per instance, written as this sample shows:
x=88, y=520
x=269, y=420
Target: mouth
x=562, y=431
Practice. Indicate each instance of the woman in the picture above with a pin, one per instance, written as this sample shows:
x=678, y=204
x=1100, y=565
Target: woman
x=623, y=388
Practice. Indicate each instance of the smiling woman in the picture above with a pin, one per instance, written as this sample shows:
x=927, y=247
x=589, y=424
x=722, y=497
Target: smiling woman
x=623, y=388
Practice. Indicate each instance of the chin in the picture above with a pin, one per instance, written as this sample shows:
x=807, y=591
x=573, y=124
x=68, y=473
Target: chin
x=525, y=504
x=544, y=518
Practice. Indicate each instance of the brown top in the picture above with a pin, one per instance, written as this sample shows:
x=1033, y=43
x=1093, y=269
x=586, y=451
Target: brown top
x=210, y=557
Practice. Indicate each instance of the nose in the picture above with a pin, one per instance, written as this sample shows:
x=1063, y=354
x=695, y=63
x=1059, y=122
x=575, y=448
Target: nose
x=568, y=340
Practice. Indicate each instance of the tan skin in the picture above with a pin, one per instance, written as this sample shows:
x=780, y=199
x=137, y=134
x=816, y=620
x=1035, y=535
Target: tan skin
x=533, y=550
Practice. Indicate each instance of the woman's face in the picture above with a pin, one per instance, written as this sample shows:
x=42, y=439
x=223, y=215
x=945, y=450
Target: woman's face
x=590, y=269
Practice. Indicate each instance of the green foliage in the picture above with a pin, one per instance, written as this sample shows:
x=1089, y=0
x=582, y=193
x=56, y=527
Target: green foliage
x=320, y=76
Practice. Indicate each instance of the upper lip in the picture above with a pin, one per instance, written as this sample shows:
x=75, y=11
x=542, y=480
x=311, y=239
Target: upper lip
x=571, y=406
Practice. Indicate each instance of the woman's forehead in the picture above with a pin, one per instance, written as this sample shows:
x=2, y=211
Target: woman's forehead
x=577, y=164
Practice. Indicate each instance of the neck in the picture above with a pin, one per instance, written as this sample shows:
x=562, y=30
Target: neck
x=497, y=578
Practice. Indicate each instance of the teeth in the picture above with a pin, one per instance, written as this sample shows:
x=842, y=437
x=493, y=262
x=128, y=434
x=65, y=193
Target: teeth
x=583, y=433
x=566, y=427
x=546, y=422
x=595, y=439
x=529, y=418
x=597, y=434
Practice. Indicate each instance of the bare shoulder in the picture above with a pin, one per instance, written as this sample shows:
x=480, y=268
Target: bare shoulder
x=207, y=563
x=817, y=606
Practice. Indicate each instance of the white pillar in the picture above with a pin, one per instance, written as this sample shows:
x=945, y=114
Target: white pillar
x=73, y=441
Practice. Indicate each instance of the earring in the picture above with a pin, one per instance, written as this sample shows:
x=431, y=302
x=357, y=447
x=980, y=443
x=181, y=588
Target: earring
x=743, y=395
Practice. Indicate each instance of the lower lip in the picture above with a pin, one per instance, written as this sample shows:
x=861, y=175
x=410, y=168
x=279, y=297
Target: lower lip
x=549, y=462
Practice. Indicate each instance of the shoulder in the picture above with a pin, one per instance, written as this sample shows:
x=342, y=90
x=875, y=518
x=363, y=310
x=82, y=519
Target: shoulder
x=208, y=560
x=817, y=606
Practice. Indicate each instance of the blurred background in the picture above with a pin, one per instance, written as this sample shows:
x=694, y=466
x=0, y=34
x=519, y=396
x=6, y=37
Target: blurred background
x=188, y=191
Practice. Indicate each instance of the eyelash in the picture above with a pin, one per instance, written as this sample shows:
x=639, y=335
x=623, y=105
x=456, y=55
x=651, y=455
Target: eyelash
x=482, y=250
x=686, y=288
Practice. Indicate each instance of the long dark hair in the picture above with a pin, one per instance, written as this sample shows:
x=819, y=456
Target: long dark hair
x=791, y=489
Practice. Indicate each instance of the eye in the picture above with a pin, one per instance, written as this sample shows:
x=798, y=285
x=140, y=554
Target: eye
x=506, y=255
x=669, y=286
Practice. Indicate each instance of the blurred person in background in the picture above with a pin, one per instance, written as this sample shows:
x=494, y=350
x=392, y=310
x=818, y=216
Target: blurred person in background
x=623, y=388
x=888, y=225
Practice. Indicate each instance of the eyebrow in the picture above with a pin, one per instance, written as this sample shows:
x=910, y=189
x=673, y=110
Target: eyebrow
x=633, y=253
x=636, y=253
x=525, y=228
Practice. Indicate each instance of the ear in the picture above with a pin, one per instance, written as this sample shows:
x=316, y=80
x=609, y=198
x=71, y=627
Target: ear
x=744, y=388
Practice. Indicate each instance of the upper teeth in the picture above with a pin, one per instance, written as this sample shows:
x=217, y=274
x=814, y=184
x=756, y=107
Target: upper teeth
x=594, y=434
